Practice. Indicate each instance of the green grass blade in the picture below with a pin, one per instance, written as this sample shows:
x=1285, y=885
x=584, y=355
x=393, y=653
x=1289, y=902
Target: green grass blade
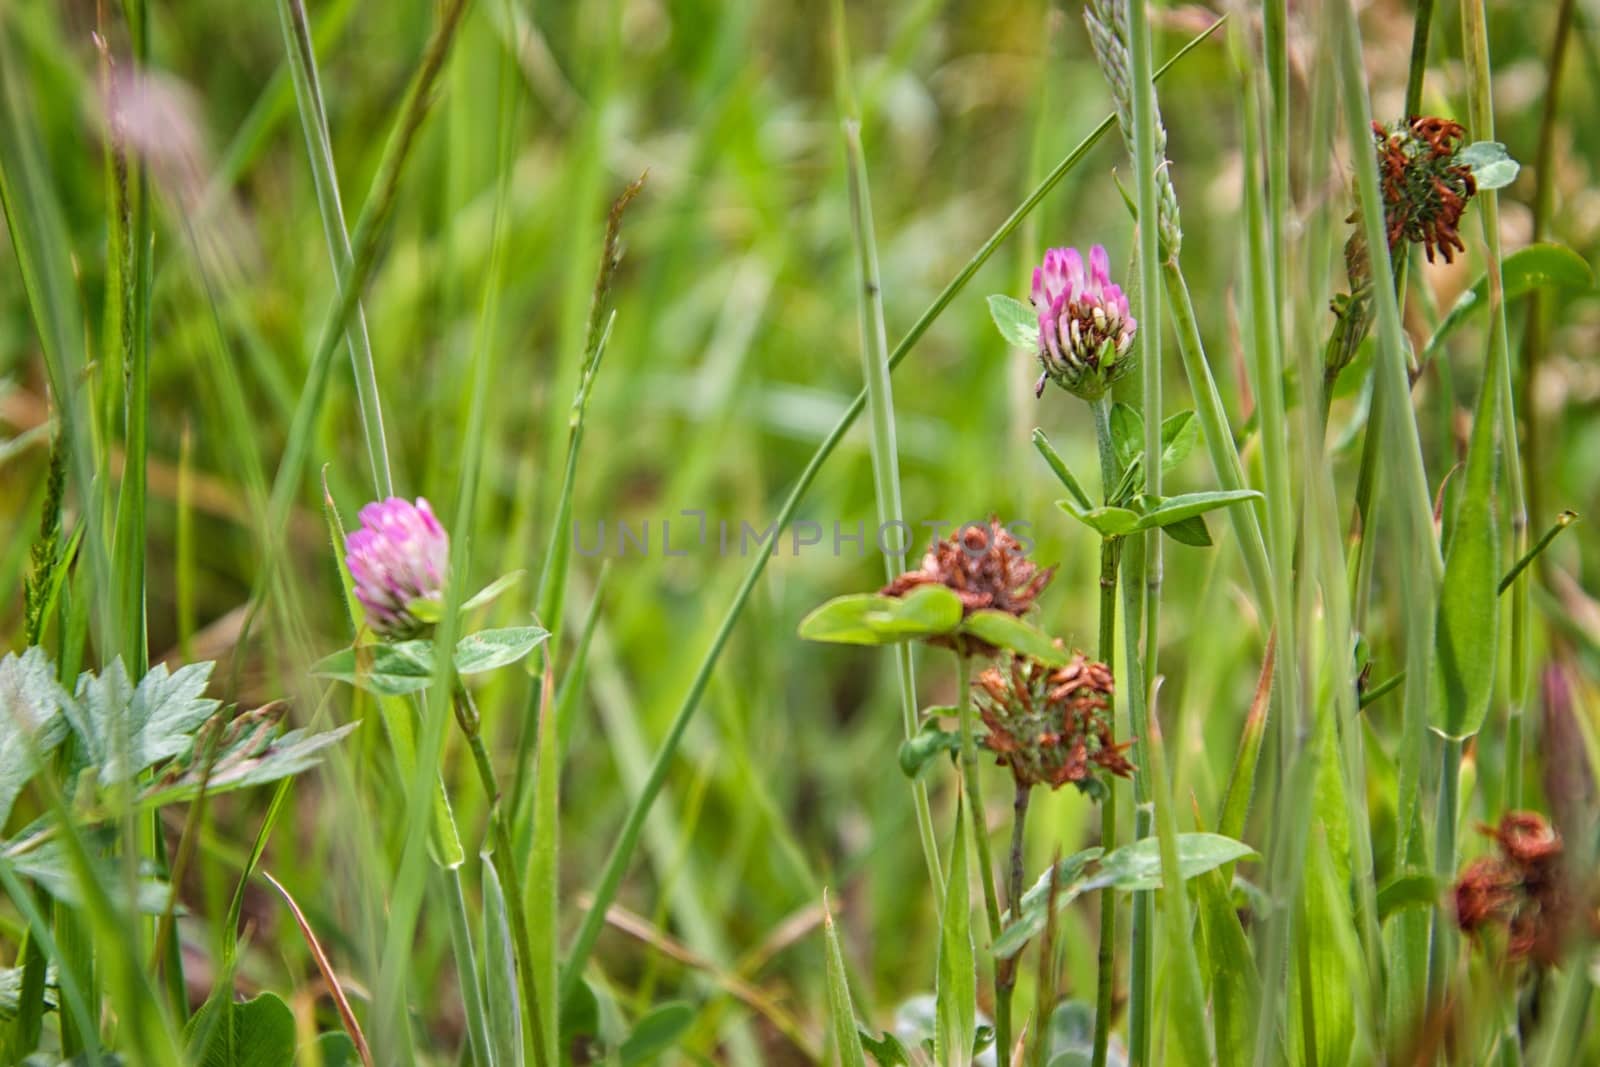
x=841, y=1013
x=956, y=986
x=500, y=972
x=885, y=452
x=302, y=60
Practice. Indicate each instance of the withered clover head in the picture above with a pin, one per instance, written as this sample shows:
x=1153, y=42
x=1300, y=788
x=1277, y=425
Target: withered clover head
x=1051, y=725
x=986, y=567
x=1526, y=889
x=1425, y=186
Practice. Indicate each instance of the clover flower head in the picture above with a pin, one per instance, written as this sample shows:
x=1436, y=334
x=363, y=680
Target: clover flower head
x=1085, y=329
x=1425, y=187
x=986, y=567
x=1050, y=726
x=397, y=557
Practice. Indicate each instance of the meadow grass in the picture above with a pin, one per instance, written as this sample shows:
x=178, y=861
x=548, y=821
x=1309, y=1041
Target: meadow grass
x=269, y=265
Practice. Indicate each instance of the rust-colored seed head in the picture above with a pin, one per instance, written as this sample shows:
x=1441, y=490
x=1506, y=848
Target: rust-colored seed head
x=1528, y=842
x=1050, y=726
x=1527, y=889
x=1485, y=893
x=1425, y=191
x=986, y=568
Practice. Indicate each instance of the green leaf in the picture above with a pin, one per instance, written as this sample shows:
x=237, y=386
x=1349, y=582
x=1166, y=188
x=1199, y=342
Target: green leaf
x=1137, y=866
x=1017, y=322
x=500, y=971
x=918, y=750
x=886, y=1048
x=1127, y=433
x=49, y=865
x=126, y=729
x=1466, y=635
x=393, y=669
x=1416, y=889
x=1105, y=521
x=956, y=989
x=1332, y=985
x=335, y=1049
x=254, y=1033
x=1004, y=630
x=656, y=1032
x=875, y=619
x=250, y=751
x=493, y=590
x=1030, y=915
x=1230, y=969
x=1058, y=467
x=1492, y=167
x=1187, y=505
x=1191, y=531
x=31, y=722
x=1179, y=434
x=580, y=1026
x=1538, y=266
x=841, y=1012
x=487, y=650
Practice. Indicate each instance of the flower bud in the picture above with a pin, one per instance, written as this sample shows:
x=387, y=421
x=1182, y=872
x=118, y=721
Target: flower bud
x=1085, y=330
x=397, y=559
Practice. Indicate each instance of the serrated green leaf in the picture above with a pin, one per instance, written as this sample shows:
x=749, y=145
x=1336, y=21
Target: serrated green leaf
x=1539, y=266
x=253, y=1033
x=1179, y=434
x=874, y=619
x=956, y=989
x=841, y=1012
x=31, y=720
x=1017, y=322
x=1105, y=521
x=1491, y=165
x=250, y=751
x=126, y=729
x=393, y=669
x=1187, y=505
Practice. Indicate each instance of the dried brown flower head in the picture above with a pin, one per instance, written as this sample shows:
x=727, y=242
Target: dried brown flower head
x=1425, y=190
x=1527, y=889
x=1485, y=893
x=986, y=567
x=1050, y=725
